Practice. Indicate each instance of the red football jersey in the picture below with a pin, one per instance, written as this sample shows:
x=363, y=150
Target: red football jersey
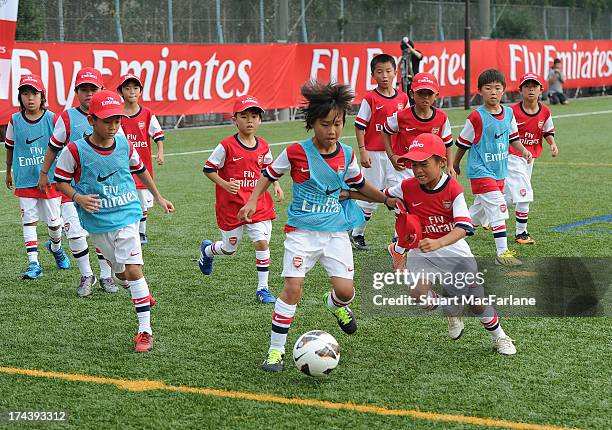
x=232, y=160
x=374, y=110
x=532, y=128
x=139, y=129
x=439, y=210
x=406, y=126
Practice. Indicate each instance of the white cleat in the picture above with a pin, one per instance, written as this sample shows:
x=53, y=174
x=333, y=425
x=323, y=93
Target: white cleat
x=455, y=327
x=504, y=346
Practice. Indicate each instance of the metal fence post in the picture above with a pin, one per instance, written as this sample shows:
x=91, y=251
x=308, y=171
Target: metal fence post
x=261, y=22
x=170, y=23
x=545, y=23
x=60, y=10
x=567, y=32
x=118, y=21
x=218, y=18
x=303, y=21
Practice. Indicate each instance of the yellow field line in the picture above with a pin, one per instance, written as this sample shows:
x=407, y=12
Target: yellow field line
x=144, y=385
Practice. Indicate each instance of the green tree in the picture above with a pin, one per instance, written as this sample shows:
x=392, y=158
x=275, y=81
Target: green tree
x=31, y=22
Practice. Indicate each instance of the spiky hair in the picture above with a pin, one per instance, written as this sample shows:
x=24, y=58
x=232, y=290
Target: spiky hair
x=322, y=98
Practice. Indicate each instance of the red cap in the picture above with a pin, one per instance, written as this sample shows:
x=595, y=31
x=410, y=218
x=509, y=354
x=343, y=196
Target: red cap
x=245, y=102
x=424, y=146
x=530, y=77
x=425, y=81
x=89, y=75
x=130, y=76
x=105, y=104
x=409, y=229
x=32, y=81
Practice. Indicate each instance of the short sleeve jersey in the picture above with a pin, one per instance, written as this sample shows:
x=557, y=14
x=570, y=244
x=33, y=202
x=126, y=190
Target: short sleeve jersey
x=532, y=128
x=372, y=114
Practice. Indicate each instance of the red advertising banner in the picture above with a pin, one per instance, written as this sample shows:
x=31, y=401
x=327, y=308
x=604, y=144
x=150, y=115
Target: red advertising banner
x=193, y=79
x=8, y=25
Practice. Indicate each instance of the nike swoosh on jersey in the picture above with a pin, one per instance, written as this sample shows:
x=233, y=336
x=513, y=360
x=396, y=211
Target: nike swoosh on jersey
x=414, y=205
x=133, y=254
x=410, y=129
x=104, y=178
x=237, y=158
x=304, y=170
x=497, y=136
x=328, y=191
x=30, y=141
x=519, y=123
x=380, y=107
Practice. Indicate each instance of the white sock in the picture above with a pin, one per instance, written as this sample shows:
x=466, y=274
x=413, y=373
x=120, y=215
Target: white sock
x=281, y=321
x=30, y=239
x=334, y=303
x=262, y=261
x=56, y=239
x=214, y=248
x=142, y=226
x=105, y=269
x=490, y=321
x=522, y=215
x=141, y=298
x=80, y=252
x=499, y=234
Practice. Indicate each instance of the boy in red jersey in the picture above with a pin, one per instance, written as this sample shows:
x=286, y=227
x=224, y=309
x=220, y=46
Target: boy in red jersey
x=405, y=125
x=437, y=201
x=235, y=167
x=375, y=107
x=534, y=123
x=140, y=125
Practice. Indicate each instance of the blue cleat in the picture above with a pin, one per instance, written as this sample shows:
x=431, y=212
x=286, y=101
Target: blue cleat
x=34, y=271
x=264, y=296
x=205, y=263
x=61, y=259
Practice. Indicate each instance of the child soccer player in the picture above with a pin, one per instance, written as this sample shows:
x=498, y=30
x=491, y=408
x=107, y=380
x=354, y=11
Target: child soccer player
x=27, y=134
x=139, y=125
x=404, y=126
x=534, y=122
x=487, y=134
x=318, y=221
x=101, y=166
x=375, y=107
x=72, y=125
x=437, y=200
x=235, y=167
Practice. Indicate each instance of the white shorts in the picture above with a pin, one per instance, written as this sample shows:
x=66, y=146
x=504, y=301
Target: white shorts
x=257, y=231
x=72, y=223
x=453, y=267
x=518, y=182
x=489, y=208
x=120, y=247
x=146, y=199
x=397, y=176
x=45, y=210
x=303, y=248
x=377, y=175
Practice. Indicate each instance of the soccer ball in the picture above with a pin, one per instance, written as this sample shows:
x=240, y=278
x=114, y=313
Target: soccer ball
x=316, y=353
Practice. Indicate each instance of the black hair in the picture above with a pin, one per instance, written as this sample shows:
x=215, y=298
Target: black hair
x=43, y=98
x=489, y=76
x=126, y=82
x=557, y=61
x=322, y=98
x=253, y=109
x=380, y=59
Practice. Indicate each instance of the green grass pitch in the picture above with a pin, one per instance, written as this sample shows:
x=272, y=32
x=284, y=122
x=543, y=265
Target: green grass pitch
x=211, y=333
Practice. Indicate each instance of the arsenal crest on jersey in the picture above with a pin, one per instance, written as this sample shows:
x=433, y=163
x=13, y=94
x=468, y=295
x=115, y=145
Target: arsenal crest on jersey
x=523, y=192
x=447, y=204
x=503, y=208
x=435, y=130
x=540, y=124
x=400, y=106
x=260, y=159
x=340, y=168
x=297, y=261
x=233, y=240
x=141, y=125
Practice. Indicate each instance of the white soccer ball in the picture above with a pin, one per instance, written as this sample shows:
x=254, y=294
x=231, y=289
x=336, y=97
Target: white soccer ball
x=316, y=353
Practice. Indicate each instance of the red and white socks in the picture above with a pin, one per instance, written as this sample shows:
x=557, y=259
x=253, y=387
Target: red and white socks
x=30, y=239
x=334, y=303
x=56, y=238
x=490, y=321
x=500, y=236
x=215, y=248
x=262, y=261
x=105, y=269
x=281, y=321
x=141, y=298
x=522, y=215
x=80, y=252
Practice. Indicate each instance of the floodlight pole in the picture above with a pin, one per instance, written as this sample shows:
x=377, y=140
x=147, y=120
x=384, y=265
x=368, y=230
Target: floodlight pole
x=466, y=103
